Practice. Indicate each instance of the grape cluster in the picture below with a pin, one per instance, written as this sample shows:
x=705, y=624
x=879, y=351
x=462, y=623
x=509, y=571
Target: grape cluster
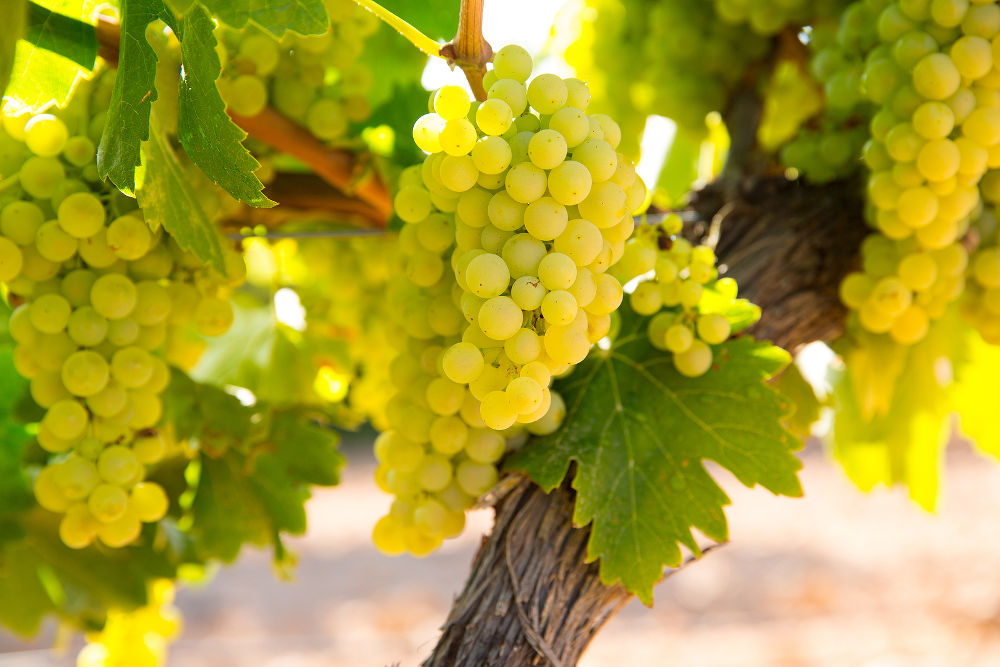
x=936, y=131
x=844, y=64
x=347, y=335
x=513, y=221
x=680, y=287
x=316, y=80
x=100, y=300
x=768, y=17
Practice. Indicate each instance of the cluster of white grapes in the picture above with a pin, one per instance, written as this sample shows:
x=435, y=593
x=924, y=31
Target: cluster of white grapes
x=513, y=221
x=680, y=287
x=933, y=137
x=851, y=73
x=348, y=331
x=767, y=17
x=100, y=300
x=316, y=80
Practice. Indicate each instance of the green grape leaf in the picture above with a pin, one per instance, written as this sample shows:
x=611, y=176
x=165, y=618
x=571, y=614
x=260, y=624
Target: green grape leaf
x=975, y=395
x=639, y=431
x=24, y=602
x=65, y=35
x=41, y=78
x=793, y=385
x=209, y=137
x=892, y=408
x=680, y=168
x=179, y=7
x=11, y=31
x=216, y=420
x=131, y=101
x=39, y=574
x=306, y=17
x=15, y=491
x=252, y=498
x=165, y=194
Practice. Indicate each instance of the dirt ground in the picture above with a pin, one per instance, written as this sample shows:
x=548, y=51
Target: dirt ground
x=835, y=579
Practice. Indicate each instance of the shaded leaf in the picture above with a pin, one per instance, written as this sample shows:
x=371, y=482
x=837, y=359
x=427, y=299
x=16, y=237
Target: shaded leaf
x=168, y=200
x=209, y=137
x=131, y=101
x=306, y=17
x=11, y=30
x=69, y=37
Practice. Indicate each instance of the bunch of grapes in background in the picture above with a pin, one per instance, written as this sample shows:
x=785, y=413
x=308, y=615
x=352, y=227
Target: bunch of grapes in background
x=102, y=303
x=316, y=80
x=513, y=220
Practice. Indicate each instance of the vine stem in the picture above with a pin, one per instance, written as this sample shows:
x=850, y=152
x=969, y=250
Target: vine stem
x=340, y=168
x=470, y=50
x=414, y=36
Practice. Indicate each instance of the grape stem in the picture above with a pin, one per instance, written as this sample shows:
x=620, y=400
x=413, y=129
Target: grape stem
x=414, y=36
x=343, y=169
x=470, y=50
x=305, y=197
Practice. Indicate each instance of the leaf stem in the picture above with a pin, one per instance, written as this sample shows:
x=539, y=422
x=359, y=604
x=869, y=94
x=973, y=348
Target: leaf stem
x=415, y=37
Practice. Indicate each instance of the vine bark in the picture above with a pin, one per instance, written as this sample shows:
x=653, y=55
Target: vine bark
x=788, y=245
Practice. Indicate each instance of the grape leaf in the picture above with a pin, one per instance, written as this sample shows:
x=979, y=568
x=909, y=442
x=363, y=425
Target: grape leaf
x=209, y=137
x=135, y=90
x=306, y=17
x=793, y=386
x=680, y=167
x=976, y=395
x=65, y=35
x=638, y=432
x=20, y=582
x=15, y=493
x=41, y=78
x=10, y=31
x=893, y=406
x=207, y=414
x=168, y=200
x=254, y=498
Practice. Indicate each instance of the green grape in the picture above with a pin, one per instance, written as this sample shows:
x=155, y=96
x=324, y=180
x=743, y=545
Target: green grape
x=40, y=176
x=20, y=220
x=48, y=493
x=45, y=135
x=131, y=367
x=213, y=316
x=557, y=271
x=545, y=218
x=79, y=151
x=85, y=373
x=500, y=318
x=149, y=501
x=76, y=477
x=107, y=502
x=81, y=215
x=118, y=465
x=547, y=149
x=512, y=62
x=113, y=296
x=152, y=303
x=128, y=237
x=53, y=243
x=78, y=527
x=245, y=95
x=11, y=260
x=122, y=531
x=50, y=313
x=451, y=102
